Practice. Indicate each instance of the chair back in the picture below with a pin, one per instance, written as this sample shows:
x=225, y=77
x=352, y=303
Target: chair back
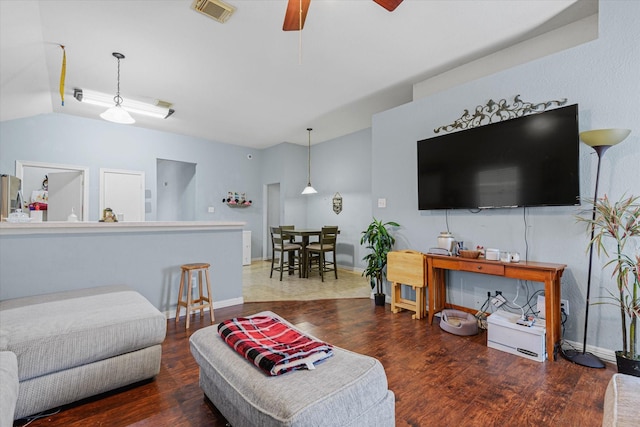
x=277, y=241
x=328, y=236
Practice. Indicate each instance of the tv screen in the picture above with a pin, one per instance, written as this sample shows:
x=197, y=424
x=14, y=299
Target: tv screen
x=527, y=161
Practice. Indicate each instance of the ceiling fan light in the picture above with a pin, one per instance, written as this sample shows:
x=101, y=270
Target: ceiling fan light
x=117, y=114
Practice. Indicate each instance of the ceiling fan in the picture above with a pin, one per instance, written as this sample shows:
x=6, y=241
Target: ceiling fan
x=297, y=10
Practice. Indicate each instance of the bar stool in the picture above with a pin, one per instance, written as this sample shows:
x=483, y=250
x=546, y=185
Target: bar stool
x=202, y=301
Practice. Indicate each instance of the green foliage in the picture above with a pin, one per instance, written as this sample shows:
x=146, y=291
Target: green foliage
x=619, y=223
x=378, y=240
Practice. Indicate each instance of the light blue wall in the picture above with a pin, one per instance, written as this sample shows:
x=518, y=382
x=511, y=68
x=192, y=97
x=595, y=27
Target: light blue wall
x=603, y=77
x=93, y=143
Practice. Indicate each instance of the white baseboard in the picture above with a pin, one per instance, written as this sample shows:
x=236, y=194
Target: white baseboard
x=602, y=353
x=216, y=304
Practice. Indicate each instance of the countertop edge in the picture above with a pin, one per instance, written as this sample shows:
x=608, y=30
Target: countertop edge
x=26, y=228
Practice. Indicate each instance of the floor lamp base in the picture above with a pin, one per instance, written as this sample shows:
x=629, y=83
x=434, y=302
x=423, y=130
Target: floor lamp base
x=582, y=359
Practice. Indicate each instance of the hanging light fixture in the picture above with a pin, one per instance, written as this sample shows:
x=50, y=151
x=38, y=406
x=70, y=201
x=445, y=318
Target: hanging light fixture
x=309, y=189
x=117, y=114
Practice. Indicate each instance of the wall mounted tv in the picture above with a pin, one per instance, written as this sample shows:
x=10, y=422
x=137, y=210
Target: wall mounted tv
x=527, y=161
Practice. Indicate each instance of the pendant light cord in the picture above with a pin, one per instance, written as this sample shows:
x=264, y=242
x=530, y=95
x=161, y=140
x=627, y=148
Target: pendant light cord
x=309, y=158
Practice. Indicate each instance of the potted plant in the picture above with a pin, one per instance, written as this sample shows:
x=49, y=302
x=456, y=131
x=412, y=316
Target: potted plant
x=377, y=239
x=619, y=222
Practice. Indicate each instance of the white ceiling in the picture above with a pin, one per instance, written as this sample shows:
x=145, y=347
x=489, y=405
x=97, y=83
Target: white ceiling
x=247, y=82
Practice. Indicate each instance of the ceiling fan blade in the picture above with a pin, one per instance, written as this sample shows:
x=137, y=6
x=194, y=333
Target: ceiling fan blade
x=292, y=16
x=390, y=5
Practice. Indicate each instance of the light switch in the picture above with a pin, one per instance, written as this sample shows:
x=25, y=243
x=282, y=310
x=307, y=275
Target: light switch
x=211, y=209
x=382, y=203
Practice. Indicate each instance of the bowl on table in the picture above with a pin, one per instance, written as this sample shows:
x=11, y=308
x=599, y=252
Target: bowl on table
x=464, y=253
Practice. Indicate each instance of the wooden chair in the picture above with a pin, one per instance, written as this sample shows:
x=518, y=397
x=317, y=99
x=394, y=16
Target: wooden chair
x=203, y=301
x=408, y=268
x=281, y=245
x=326, y=244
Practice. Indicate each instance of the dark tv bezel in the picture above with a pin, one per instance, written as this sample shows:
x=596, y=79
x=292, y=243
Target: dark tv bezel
x=574, y=172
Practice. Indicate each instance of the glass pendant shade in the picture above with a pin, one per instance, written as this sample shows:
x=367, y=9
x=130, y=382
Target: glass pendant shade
x=117, y=114
x=309, y=189
x=604, y=137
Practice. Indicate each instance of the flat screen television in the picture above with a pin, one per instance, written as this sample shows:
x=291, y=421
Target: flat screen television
x=531, y=160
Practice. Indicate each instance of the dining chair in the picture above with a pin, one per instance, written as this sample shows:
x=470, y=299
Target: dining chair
x=281, y=245
x=325, y=245
x=292, y=238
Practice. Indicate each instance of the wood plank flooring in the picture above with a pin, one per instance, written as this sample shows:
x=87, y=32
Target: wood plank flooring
x=438, y=379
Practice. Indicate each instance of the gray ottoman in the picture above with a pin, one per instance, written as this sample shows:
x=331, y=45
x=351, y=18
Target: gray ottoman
x=347, y=389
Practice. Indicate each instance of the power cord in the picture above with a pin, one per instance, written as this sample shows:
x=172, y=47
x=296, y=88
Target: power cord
x=38, y=416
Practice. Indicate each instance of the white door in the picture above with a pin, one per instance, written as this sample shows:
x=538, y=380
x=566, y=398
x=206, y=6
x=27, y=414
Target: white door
x=123, y=192
x=65, y=195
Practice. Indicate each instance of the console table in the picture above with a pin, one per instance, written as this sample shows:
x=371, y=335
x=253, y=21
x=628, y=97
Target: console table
x=549, y=274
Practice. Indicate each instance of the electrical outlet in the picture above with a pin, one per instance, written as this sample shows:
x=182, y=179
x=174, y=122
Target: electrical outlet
x=564, y=305
x=498, y=300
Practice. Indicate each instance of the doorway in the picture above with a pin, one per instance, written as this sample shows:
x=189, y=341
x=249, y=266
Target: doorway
x=176, y=189
x=34, y=176
x=123, y=192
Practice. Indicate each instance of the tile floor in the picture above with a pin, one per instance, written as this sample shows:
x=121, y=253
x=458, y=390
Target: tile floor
x=258, y=287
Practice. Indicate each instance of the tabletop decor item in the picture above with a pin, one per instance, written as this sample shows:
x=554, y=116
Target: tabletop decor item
x=379, y=241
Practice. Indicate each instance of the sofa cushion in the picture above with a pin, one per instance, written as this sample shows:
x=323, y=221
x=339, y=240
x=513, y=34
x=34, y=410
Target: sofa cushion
x=8, y=387
x=49, y=333
x=621, y=401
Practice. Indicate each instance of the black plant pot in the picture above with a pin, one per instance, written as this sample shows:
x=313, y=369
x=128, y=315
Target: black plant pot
x=627, y=365
x=379, y=299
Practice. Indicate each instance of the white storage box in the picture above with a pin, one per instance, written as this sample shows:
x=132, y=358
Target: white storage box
x=503, y=333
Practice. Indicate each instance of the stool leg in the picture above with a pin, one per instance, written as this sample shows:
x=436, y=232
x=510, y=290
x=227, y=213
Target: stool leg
x=189, y=299
x=200, y=295
x=180, y=292
x=209, y=298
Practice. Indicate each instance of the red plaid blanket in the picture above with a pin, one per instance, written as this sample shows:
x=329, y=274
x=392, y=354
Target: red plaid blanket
x=271, y=345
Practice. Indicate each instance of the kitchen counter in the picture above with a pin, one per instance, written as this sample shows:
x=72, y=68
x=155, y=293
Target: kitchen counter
x=45, y=257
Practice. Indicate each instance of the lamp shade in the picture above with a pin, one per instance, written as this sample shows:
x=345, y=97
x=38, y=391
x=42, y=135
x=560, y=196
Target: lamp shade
x=604, y=137
x=309, y=190
x=117, y=114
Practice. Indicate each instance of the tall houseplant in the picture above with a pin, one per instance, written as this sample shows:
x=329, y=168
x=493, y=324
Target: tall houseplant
x=378, y=240
x=619, y=222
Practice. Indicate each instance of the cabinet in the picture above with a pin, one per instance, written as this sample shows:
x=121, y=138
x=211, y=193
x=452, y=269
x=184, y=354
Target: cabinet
x=246, y=248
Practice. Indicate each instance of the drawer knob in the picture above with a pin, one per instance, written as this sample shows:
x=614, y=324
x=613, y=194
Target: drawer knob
x=479, y=267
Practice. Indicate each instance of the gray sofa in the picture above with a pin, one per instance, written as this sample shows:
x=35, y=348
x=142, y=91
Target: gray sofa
x=76, y=344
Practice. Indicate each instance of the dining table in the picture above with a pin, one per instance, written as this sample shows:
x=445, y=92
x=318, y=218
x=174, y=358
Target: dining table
x=305, y=233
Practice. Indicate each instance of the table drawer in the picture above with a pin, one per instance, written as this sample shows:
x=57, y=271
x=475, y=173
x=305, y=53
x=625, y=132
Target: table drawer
x=482, y=267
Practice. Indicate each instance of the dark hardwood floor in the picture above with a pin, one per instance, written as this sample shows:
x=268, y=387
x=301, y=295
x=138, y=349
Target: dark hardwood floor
x=438, y=379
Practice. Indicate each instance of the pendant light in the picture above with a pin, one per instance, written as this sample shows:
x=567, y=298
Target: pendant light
x=117, y=114
x=309, y=189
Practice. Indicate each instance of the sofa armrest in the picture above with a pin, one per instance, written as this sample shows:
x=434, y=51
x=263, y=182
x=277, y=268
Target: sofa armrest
x=8, y=387
x=621, y=401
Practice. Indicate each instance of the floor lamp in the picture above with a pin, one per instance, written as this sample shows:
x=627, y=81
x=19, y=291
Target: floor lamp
x=600, y=140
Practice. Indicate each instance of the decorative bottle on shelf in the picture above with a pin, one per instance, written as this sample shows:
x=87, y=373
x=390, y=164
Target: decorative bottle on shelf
x=445, y=240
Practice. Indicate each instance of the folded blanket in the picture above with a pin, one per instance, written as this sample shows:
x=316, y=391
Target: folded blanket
x=271, y=345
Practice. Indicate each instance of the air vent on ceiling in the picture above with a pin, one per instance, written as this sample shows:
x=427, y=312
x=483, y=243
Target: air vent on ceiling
x=216, y=9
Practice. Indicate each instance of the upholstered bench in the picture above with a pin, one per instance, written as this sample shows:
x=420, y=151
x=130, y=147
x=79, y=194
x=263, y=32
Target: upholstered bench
x=347, y=389
x=76, y=344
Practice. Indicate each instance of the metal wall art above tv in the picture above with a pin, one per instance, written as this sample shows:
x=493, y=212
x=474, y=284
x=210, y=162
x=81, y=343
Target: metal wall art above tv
x=527, y=161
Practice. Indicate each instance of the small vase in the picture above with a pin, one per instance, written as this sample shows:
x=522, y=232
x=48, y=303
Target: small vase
x=627, y=365
x=445, y=240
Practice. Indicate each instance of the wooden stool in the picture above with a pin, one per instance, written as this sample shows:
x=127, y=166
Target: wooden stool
x=408, y=268
x=202, y=301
